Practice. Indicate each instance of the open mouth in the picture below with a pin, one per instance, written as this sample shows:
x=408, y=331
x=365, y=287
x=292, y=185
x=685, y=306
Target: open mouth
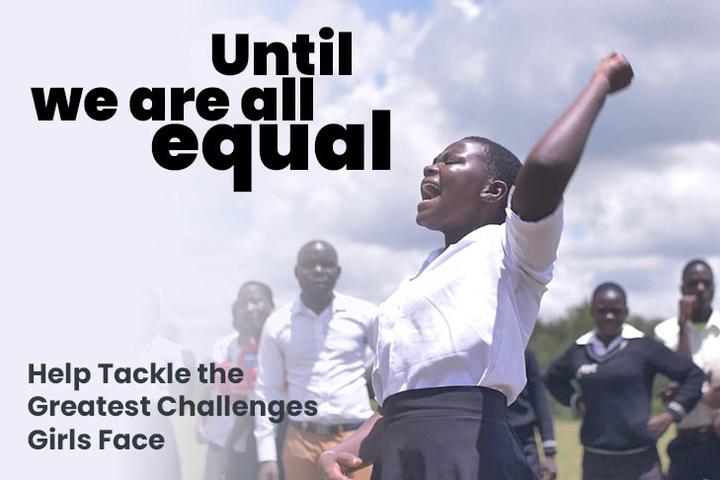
x=429, y=190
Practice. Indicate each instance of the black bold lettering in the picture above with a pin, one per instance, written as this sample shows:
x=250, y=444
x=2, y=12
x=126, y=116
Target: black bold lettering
x=326, y=51
x=311, y=408
x=240, y=157
x=174, y=137
x=294, y=408
x=288, y=99
x=100, y=104
x=306, y=99
x=241, y=54
x=345, y=53
x=37, y=439
x=302, y=47
x=178, y=98
x=381, y=140
x=262, y=50
x=40, y=373
x=157, y=103
x=297, y=156
x=269, y=104
x=56, y=99
x=212, y=104
x=351, y=136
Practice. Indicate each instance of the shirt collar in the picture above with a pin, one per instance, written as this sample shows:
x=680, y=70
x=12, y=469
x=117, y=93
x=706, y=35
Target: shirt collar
x=628, y=332
x=338, y=304
x=431, y=256
x=450, y=250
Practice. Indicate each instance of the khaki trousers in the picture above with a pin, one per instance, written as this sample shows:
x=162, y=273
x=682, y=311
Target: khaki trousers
x=302, y=450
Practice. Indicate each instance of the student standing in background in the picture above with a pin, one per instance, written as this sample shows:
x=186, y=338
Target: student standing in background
x=695, y=333
x=232, y=454
x=315, y=346
x=614, y=366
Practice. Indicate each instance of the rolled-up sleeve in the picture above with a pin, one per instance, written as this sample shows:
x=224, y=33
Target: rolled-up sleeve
x=532, y=246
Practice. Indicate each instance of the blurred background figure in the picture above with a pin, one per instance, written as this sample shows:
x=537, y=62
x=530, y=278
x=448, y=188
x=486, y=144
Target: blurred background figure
x=615, y=365
x=695, y=333
x=314, y=349
x=232, y=453
x=530, y=411
x=155, y=346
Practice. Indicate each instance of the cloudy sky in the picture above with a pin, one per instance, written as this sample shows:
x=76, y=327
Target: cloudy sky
x=90, y=219
x=90, y=209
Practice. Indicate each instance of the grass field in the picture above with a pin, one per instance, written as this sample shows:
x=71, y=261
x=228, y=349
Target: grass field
x=569, y=458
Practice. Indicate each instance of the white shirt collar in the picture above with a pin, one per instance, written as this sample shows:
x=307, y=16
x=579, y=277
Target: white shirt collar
x=600, y=349
x=628, y=331
x=451, y=249
x=337, y=304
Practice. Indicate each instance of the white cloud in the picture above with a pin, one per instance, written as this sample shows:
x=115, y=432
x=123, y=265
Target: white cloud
x=469, y=8
x=88, y=198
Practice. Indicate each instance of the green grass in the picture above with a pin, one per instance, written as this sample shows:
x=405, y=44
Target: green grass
x=569, y=456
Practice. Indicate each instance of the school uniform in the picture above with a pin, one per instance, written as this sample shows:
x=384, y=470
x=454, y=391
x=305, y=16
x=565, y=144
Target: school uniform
x=239, y=459
x=531, y=410
x=450, y=349
x=695, y=452
x=307, y=356
x=616, y=388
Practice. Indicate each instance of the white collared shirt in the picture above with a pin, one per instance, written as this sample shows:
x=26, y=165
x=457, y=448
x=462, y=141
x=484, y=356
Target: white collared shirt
x=466, y=317
x=219, y=427
x=600, y=349
x=705, y=348
x=321, y=357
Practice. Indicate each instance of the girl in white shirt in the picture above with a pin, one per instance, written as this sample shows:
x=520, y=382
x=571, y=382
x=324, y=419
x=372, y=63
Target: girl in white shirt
x=450, y=341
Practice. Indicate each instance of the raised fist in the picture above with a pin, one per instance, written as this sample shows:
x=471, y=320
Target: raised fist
x=616, y=70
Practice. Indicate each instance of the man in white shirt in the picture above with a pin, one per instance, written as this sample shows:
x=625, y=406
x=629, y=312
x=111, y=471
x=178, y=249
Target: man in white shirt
x=316, y=346
x=695, y=333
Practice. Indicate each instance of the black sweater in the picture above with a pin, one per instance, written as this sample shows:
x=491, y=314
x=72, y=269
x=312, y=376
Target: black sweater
x=617, y=388
x=531, y=407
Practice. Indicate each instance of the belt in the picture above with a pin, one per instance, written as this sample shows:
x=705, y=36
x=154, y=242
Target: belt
x=701, y=433
x=322, y=429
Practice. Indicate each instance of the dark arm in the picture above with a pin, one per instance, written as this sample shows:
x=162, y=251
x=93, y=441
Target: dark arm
x=682, y=370
x=558, y=380
x=547, y=170
x=686, y=306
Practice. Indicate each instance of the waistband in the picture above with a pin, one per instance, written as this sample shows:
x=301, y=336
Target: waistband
x=322, y=429
x=632, y=451
x=701, y=433
x=462, y=401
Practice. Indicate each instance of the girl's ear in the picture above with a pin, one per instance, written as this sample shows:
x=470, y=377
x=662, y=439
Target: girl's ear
x=495, y=191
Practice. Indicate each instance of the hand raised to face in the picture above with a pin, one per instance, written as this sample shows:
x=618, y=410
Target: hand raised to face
x=686, y=308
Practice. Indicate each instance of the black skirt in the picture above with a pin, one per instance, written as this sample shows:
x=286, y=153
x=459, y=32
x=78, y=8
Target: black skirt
x=448, y=433
x=643, y=465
